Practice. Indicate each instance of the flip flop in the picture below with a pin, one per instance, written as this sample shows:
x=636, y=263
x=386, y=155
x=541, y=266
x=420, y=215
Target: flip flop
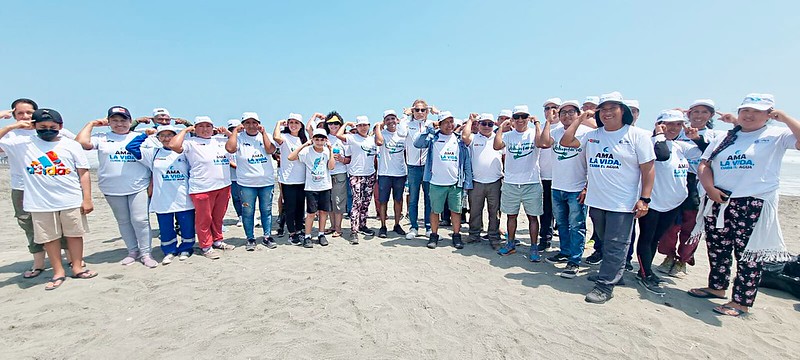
x=53, y=281
x=703, y=294
x=33, y=273
x=85, y=274
x=729, y=310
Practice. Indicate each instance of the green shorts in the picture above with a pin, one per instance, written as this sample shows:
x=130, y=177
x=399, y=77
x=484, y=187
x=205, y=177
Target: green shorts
x=529, y=195
x=439, y=194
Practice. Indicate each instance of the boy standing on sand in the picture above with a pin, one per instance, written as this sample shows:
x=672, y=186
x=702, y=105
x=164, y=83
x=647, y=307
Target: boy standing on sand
x=319, y=162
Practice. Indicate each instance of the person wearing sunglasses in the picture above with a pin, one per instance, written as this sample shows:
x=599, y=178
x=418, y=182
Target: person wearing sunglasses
x=546, y=174
x=416, y=159
x=521, y=185
x=487, y=175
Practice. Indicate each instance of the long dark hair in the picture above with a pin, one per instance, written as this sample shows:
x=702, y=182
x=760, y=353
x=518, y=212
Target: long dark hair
x=729, y=139
x=300, y=134
x=330, y=116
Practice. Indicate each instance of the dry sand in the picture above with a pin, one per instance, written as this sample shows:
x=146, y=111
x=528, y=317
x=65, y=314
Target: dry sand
x=383, y=299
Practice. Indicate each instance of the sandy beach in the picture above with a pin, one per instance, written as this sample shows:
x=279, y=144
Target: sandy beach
x=383, y=299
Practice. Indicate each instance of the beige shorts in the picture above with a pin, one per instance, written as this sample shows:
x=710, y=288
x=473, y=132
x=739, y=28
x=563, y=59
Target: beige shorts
x=52, y=225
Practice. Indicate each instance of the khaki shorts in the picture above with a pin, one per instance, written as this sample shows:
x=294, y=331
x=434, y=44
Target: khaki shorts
x=528, y=195
x=52, y=225
x=451, y=194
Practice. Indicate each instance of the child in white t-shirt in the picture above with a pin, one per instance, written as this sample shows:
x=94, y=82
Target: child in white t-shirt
x=317, y=156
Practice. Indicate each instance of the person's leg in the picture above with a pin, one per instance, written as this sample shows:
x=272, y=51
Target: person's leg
x=477, y=197
x=534, y=207
x=686, y=250
x=202, y=220
x=384, y=188
x=75, y=249
x=53, y=249
x=562, y=212
x=140, y=221
x=265, y=209
x=187, y=222
x=665, y=222
x=741, y=216
x=294, y=206
x=510, y=202
x=647, y=228
x=281, y=213
x=369, y=188
x=119, y=207
x=219, y=207
x=426, y=187
x=248, y=199
x=577, y=228
x=414, y=184
x=349, y=197
x=438, y=195
x=492, y=194
x=546, y=219
x=629, y=257
x=668, y=242
x=236, y=197
x=398, y=187
x=511, y=225
x=615, y=235
x=26, y=224
x=167, y=234
x=454, y=198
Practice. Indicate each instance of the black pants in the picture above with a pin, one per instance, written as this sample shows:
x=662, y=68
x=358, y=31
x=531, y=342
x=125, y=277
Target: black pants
x=294, y=201
x=546, y=219
x=652, y=226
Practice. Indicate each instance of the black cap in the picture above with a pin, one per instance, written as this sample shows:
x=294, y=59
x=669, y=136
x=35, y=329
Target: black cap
x=119, y=110
x=47, y=115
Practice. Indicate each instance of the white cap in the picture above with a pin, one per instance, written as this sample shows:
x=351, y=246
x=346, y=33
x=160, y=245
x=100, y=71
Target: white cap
x=161, y=128
x=592, y=100
x=505, y=112
x=704, y=102
x=556, y=101
x=250, y=115
x=632, y=104
x=570, y=103
x=758, y=101
x=486, y=116
x=521, y=109
x=444, y=115
x=160, y=111
x=203, y=119
x=294, y=116
x=319, y=132
x=389, y=112
x=362, y=120
x=458, y=122
x=671, y=116
x=233, y=123
x=614, y=97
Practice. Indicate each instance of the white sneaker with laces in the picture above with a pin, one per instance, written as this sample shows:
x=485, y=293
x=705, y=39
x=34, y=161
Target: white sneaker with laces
x=412, y=233
x=184, y=255
x=167, y=259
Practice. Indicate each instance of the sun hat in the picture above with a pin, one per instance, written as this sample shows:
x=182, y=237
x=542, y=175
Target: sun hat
x=233, y=123
x=570, y=103
x=319, y=132
x=592, y=100
x=704, y=102
x=757, y=101
x=507, y=113
x=389, y=112
x=294, y=116
x=521, y=109
x=362, y=120
x=160, y=111
x=444, y=115
x=671, y=116
x=162, y=128
x=556, y=101
x=614, y=97
x=202, y=119
x=251, y=115
x=632, y=104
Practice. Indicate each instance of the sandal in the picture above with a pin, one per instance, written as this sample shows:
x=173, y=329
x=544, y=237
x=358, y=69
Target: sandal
x=54, y=283
x=336, y=234
x=704, y=294
x=729, y=310
x=85, y=274
x=32, y=273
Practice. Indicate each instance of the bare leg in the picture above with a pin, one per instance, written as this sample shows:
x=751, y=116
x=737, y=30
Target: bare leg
x=398, y=212
x=511, y=224
x=309, y=223
x=382, y=208
x=75, y=252
x=533, y=228
x=434, y=223
x=323, y=217
x=455, y=219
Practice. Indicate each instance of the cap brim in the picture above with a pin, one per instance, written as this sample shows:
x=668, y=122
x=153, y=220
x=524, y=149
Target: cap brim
x=754, y=106
x=120, y=114
x=250, y=118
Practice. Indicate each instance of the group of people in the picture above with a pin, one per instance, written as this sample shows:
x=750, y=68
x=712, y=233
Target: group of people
x=681, y=181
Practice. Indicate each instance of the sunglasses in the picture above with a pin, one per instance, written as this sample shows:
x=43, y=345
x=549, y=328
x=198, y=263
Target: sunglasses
x=520, y=116
x=550, y=107
x=486, y=123
x=568, y=112
x=420, y=110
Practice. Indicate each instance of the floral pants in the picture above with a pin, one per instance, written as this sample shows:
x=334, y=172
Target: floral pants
x=740, y=217
x=362, y=187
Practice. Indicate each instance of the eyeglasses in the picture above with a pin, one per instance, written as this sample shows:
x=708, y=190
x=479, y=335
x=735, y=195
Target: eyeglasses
x=551, y=107
x=568, y=112
x=486, y=123
x=420, y=110
x=520, y=116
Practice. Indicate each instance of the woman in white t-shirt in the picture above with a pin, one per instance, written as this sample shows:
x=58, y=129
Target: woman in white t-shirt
x=123, y=181
x=289, y=134
x=740, y=174
x=170, y=201
x=339, y=183
x=361, y=151
x=209, y=181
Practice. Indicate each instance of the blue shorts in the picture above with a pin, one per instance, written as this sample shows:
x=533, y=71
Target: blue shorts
x=394, y=184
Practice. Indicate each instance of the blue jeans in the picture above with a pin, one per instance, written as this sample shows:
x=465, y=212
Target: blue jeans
x=571, y=219
x=249, y=195
x=415, y=175
x=169, y=238
x=236, y=196
x=349, y=206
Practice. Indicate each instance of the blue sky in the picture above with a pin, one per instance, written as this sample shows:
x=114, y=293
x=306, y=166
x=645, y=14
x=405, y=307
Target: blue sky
x=362, y=57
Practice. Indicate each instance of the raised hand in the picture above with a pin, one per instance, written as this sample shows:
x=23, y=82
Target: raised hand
x=144, y=119
x=6, y=114
x=660, y=129
x=691, y=133
x=100, y=122
x=727, y=117
x=24, y=124
x=149, y=131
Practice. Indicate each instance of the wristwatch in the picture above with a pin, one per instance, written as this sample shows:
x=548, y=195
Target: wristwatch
x=645, y=200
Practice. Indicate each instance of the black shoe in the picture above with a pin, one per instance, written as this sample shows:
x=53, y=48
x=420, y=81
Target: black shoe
x=595, y=259
x=571, y=271
x=433, y=241
x=382, y=232
x=652, y=284
x=250, y=245
x=296, y=239
x=628, y=266
x=307, y=243
x=557, y=258
x=279, y=233
x=269, y=242
x=597, y=296
x=322, y=240
x=366, y=231
x=543, y=245
x=399, y=230
x=457, y=243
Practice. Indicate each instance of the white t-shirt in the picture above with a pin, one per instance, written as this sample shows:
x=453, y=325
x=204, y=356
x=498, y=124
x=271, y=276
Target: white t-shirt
x=51, y=179
x=613, y=159
x=487, y=163
x=362, y=151
x=170, y=180
x=669, y=188
x=391, y=155
x=410, y=129
x=318, y=177
x=709, y=135
x=444, y=171
x=522, y=157
x=16, y=165
x=570, y=163
x=253, y=163
x=118, y=173
x=752, y=164
x=338, y=146
x=291, y=172
x=209, y=164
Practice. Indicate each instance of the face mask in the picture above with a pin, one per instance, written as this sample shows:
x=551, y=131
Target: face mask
x=47, y=134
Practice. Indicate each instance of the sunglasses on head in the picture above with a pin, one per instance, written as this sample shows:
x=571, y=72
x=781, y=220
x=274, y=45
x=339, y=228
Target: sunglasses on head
x=520, y=116
x=420, y=110
x=487, y=123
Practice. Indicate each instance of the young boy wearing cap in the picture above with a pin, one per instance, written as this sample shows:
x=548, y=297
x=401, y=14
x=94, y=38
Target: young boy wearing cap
x=123, y=181
x=318, y=161
x=392, y=170
x=487, y=172
x=252, y=147
x=362, y=150
x=58, y=188
x=448, y=169
x=522, y=185
x=170, y=201
x=546, y=174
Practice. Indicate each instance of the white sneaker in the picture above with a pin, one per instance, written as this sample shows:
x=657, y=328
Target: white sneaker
x=239, y=223
x=184, y=255
x=167, y=259
x=224, y=229
x=428, y=234
x=412, y=233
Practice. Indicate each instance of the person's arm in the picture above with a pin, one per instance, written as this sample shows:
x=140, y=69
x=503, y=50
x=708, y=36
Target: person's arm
x=545, y=140
x=276, y=134
x=378, y=134
x=660, y=143
x=84, y=137
x=182, y=121
x=498, y=137
x=790, y=122
x=6, y=114
x=423, y=139
x=86, y=189
x=648, y=177
x=140, y=120
x=706, y=176
x=296, y=153
x=22, y=124
x=331, y=160
x=569, y=140
x=176, y=143
x=341, y=134
x=135, y=146
x=232, y=144
x=269, y=147
x=466, y=133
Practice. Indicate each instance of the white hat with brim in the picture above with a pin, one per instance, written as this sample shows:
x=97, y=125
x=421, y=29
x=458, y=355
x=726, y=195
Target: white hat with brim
x=362, y=120
x=160, y=111
x=319, y=132
x=616, y=98
x=592, y=100
x=756, y=101
x=570, y=103
x=632, y=104
x=521, y=109
x=507, y=113
x=233, y=123
x=295, y=116
x=166, y=128
x=389, y=112
x=554, y=101
x=202, y=119
x=486, y=116
x=251, y=115
x=704, y=102
x=444, y=115
x=671, y=116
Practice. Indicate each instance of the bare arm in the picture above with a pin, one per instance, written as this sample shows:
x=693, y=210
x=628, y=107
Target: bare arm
x=648, y=177
x=569, y=139
x=498, y=138
x=84, y=136
x=466, y=133
x=232, y=144
x=268, y=145
x=379, y=140
x=86, y=189
x=790, y=122
x=17, y=125
x=176, y=144
x=295, y=155
x=276, y=134
x=342, y=130
x=331, y=160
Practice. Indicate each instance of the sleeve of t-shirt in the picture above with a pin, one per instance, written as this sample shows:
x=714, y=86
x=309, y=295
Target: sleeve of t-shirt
x=787, y=140
x=711, y=146
x=67, y=134
x=346, y=149
x=187, y=146
x=81, y=162
x=348, y=139
x=9, y=144
x=303, y=155
x=148, y=155
x=644, y=148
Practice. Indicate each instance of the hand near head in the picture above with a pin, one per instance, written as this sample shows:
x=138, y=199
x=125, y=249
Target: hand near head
x=144, y=120
x=23, y=124
x=189, y=129
x=727, y=117
x=261, y=129
x=691, y=133
x=407, y=111
x=505, y=126
x=6, y=114
x=434, y=110
x=100, y=122
x=181, y=121
x=149, y=131
x=660, y=129
x=778, y=115
x=551, y=116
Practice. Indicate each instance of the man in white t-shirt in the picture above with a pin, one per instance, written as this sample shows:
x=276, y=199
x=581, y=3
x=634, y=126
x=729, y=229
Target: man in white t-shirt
x=392, y=170
x=161, y=117
x=416, y=159
x=58, y=190
x=522, y=185
x=546, y=173
x=590, y=103
x=487, y=175
x=317, y=156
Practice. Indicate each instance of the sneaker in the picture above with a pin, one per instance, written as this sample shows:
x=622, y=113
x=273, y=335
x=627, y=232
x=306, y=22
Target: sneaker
x=307, y=243
x=412, y=233
x=269, y=242
x=534, y=256
x=279, y=233
x=130, y=259
x=678, y=269
x=382, y=232
x=398, y=230
x=148, y=261
x=433, y=240
x=595, y=277
x=557, y=258
x=652, y=284
x=543, y=245
x=295, y=240
x=508, y=249
x=666, y=265
x=595, y=259
x=183, y=256
x=222, y=246
x=322, y=240
x=167, y=259
x=211, y=254
x=354, y=239
x=597, y=296
x=628, y=266
x=457, y=243
x=251, y=245
x=366, y=231
x=239, y=223
x=428, y=233
x=571, y=271
x=517, y=242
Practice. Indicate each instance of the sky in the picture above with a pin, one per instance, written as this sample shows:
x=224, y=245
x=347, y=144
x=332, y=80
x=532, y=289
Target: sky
x=362, y=57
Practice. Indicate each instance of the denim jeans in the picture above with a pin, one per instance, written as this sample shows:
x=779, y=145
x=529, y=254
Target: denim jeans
x=236, y=196
x=571, y=219
x=415, y=175
x=264, y=196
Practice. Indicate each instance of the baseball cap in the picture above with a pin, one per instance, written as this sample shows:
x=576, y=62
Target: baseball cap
x=570, y=103
x=556, y=101
x=505, y=112
x=203, y=119
x=486, y=116
x=614, y=97
x=758, y=101
x=166, y=128
x=362, y=120
x=521, y=109
x=320, y=132
x=592, y=100
x=295, y=116
x=389, y=112
x=704, y=102
x=160, y=111
x=119, y=110
x=632, y=103
x=47, y=115
x=233, y=123
x=671, y=116
x=250, y=115
x=444, y=115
